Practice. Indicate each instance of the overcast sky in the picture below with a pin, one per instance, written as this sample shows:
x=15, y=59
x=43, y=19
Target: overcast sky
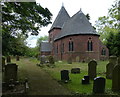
x=95, y=8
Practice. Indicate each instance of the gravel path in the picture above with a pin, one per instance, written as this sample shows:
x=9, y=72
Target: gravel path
x=40, y=82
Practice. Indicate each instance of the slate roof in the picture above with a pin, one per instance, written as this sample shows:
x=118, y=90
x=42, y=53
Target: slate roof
x=61, y=18
x=45, y=47
x=77, y=24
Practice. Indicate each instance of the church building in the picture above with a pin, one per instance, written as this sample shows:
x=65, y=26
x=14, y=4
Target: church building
x=75, y=38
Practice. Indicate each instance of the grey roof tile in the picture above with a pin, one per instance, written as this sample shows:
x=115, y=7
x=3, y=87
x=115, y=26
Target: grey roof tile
x=77, y=24
x=45, y=47
x=61, y=18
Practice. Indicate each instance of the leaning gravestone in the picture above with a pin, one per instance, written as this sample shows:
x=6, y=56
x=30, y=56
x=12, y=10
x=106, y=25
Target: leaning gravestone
x=92, y=69
x=75, y=70
x=116, y=78
x=64, y=75
x=8, y=59
x=99, y=85
x=109, y=70
x=10, y=72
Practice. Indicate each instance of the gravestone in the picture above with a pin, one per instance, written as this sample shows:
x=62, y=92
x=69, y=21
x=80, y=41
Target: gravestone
x=113, y=60
x=69, y=61
x=51, y=60
x=8, y=59
x=99, y=85
x=92, y=69
x=85, y=80
x=10, y=72
x=116, y=78
x=43, y=59
x=64, y=75
x=17, y=58
x=75, y=70
x=109, y=70
x=77, y=59
x=3, y=63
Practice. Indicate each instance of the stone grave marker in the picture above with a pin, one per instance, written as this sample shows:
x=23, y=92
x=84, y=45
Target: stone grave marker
x=109, y=70
x=85, y=80
x=69, y=61
x=77, y=59
x=8, y=59
x=99, y=85
x=64, y=75
x=3, y=63
x=43, y=59
x=92, y=69
x=17, y=58
x=113, y=60
x=10, y=72
x=116, y=78
x=75, y=70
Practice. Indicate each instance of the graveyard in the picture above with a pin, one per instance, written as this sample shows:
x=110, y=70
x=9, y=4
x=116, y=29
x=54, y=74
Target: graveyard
x=73, y=85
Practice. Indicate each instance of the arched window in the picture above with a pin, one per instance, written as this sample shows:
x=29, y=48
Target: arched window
x=63, y=47
x=71, y=46
x=90, y=46
x=103, y=51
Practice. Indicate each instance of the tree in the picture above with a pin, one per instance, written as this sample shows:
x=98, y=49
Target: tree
x=41, y=39
x=109, y=29
x=24, y=17
x=21, y=18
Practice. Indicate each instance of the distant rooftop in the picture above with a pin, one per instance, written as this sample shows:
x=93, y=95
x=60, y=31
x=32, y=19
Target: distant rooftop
x=61, y=18
x=77, y=24
x=45, y=47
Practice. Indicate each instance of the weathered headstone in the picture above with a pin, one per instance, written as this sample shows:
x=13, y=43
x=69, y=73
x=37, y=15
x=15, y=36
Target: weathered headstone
x=77, y=59
x=75, y=70
x=92, y=69
x=10, y=72
x=17, y=58
x=109, y=70
x=64, y=75
x=99, y=85
x=3, y=63
x=8, y=59
x=69, y=60
x=43, y=59
x=85, y=80
x=116, y=78
x=113, y=60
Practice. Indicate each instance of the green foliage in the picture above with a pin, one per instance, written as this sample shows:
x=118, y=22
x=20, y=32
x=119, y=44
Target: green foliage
x=42, y=38
x=19, y=19
x=51, y=59
x=108, y=28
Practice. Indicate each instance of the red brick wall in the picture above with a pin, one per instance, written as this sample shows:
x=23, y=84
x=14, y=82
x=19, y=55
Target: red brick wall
x=53, y=33
x=80, y=48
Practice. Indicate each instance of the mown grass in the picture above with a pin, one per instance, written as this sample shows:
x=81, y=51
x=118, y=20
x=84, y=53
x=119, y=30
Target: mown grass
x=75, y=84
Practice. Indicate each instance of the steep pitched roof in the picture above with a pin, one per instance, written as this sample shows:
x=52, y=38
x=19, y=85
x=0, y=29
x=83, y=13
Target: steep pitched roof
x=77, y=24
x=61, y=18
x=45, y=47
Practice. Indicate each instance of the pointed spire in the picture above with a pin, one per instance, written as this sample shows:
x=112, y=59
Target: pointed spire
x=62, y=4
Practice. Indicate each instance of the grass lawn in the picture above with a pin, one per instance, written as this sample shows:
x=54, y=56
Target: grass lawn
x=75, y=85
